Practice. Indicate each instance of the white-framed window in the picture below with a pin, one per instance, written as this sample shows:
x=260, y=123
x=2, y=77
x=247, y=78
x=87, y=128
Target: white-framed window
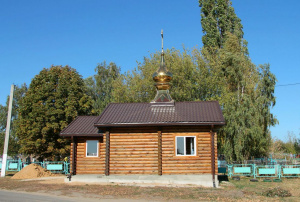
x=185, y=145
x=92, y=148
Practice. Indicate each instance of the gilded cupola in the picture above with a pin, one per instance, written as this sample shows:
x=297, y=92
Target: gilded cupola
x=162, y=77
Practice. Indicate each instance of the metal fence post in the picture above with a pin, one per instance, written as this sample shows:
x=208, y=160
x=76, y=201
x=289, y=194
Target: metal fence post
x=6, y=167
x=65, y=167
x=19, y=164
x=229, y=170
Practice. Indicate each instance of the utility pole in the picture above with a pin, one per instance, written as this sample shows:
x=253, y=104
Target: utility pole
x=7, y=131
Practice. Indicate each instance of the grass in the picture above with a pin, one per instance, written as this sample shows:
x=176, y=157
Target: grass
x=261, y=188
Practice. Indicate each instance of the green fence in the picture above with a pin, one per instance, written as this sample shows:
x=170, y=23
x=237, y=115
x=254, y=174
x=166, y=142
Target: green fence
x=52, y=166
x=257, y=171
x=241, y=170
x=12, y=165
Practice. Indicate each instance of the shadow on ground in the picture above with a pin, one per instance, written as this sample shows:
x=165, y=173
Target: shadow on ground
x=222, y=178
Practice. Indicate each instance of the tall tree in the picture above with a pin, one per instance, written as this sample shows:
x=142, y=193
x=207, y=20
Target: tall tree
x=54, y=98
x=245, y=92
x=236, y=98
x=14, y=146
x=100, y=86
x=217, y=18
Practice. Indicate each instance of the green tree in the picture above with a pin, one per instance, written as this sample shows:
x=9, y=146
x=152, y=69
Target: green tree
x=291, y=146
x=245, y=91
x=297, y=146
x=54, y=98
x=138, y=85
x=13, y=146
x=217, y=18
x=282, y=149
x=237, y=99
x=100, y=86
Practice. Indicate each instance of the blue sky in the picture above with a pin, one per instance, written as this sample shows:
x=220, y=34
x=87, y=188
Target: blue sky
x=37, y=34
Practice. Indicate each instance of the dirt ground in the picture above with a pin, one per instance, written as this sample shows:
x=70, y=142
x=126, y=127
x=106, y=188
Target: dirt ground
x=231, y=190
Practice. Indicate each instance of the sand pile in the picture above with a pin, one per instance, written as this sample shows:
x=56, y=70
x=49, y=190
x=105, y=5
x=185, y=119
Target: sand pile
x=32, y=171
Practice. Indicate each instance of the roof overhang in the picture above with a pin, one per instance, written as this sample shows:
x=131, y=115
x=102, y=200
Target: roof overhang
x=110, y=125
x=82, y=135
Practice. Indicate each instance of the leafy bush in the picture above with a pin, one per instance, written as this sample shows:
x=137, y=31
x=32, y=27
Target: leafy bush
x=277, y=192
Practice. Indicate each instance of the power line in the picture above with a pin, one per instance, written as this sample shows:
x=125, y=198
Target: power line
x=290, y=84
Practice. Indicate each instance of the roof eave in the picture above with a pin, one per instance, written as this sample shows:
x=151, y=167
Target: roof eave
x=80, y=134
x=159, y=124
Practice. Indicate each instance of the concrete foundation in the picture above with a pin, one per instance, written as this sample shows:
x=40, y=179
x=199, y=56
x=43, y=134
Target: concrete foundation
x=147, y=180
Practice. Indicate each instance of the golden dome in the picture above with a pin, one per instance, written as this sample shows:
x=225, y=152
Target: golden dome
x=162, y=74
x=162, y=77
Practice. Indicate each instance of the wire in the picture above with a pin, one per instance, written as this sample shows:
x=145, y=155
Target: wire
x=290, y=84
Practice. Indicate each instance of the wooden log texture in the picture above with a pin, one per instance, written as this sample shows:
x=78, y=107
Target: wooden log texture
x=107, y=153
x=199, y=164
x=137, y=153
x=159, y=136
x=90, y=165
x=165, y=129
x=71, y=160
x=216, y=154
x=133, y=153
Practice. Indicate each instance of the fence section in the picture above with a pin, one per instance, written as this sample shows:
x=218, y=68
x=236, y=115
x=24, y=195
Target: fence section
x=52, y=166
x=267, y=171
x=270, y=171
x=290, y=170
x=13, y=165
x=241, y=170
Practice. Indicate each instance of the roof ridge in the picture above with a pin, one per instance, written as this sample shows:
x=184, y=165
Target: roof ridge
x=113, y=103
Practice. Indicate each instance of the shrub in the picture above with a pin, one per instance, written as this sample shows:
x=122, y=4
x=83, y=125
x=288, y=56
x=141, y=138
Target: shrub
x=277, y=192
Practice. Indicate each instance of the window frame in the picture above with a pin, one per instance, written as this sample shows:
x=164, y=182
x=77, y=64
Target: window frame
x=184, y=144
x=86, y=148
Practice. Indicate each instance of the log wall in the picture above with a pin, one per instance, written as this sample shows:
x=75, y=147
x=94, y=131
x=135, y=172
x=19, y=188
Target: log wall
x=199, y=164
x=138, y=153
x=134, y=153
x=216, y=154
x=89, y=165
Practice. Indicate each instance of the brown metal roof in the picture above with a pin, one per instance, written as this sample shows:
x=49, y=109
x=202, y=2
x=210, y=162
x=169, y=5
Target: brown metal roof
x=82, y=126
x=145, y=114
